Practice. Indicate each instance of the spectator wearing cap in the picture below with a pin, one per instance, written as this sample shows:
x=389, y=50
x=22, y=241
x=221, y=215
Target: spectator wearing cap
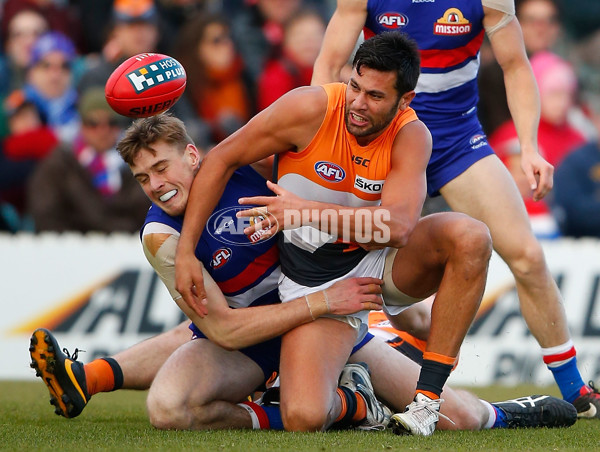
x=49, y=83
x=87, y=187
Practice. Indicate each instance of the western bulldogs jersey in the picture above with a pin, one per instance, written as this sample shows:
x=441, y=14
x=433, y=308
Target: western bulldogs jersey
x=245, y=268
x=449, y=35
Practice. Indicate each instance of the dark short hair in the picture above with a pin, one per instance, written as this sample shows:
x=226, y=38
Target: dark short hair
x=391, y=51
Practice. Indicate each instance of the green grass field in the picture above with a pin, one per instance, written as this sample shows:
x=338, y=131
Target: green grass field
x=117, y=421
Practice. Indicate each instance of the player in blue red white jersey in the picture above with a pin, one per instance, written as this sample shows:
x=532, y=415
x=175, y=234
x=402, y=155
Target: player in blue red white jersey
x=463, y=167
x=180, y=372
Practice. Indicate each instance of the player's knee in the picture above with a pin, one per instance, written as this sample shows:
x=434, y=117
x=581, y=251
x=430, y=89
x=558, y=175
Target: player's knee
x=165, y=415
x=528, y=261
x=298, y=417
x=472, y=242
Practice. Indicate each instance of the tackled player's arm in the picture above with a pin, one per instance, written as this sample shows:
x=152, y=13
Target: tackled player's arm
x=340, y=38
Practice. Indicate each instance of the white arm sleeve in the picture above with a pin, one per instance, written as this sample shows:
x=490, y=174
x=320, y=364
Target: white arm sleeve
x=507, y=7
x=163, y=263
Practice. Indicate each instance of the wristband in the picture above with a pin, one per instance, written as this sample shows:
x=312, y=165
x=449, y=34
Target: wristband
x=309, y=308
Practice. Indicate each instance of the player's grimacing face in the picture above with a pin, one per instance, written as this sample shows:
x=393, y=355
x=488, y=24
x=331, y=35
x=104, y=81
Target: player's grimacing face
x=371, y=103
x=167, y=175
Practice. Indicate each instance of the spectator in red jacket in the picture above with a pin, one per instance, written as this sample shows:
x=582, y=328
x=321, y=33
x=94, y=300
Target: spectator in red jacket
x=28, y=142
x=302, y=39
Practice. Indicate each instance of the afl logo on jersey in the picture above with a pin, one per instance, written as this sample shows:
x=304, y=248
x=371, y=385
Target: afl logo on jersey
x=330, y=171
x=392, y=21
x=220, y=258
x=452, y=23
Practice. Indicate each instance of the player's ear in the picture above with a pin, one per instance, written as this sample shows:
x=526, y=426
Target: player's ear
x=193, y=154
x=406, y=99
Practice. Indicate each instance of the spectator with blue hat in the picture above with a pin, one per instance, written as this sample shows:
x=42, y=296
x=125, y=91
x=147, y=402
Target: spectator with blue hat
x=49, y=83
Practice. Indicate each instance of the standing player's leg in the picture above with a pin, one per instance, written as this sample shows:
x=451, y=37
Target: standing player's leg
x=200, y=386
x=487, y=192
x=447, y=253
x=71, y=383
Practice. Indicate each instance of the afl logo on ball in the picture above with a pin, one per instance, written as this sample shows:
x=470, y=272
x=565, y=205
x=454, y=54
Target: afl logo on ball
x=330, y=171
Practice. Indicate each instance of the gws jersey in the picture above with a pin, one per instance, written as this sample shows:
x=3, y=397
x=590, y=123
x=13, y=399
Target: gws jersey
x=333, y=168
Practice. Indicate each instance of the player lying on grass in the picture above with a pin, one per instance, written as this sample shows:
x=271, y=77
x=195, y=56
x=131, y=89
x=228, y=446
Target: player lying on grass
x=198, y=384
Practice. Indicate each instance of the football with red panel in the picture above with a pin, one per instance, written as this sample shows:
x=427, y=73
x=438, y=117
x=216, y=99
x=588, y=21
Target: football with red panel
x=145, y=85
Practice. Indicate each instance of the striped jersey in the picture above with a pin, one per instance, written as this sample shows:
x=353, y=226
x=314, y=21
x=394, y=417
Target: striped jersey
x=246, y=270
x=449, y=34
x=333, y=168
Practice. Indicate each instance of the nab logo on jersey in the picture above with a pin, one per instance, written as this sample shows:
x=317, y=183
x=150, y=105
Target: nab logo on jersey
x=392, y=21
x=220, y=258
x=330, y=171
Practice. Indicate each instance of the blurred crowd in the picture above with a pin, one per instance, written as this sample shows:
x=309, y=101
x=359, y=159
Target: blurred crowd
x=59, y=170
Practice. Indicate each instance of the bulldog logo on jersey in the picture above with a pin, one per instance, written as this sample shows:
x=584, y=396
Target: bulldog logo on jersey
x=330, y=171
x=393, y=21
x=452, y=23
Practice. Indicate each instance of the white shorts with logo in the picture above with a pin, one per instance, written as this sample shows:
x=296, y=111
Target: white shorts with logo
x=376, y=264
